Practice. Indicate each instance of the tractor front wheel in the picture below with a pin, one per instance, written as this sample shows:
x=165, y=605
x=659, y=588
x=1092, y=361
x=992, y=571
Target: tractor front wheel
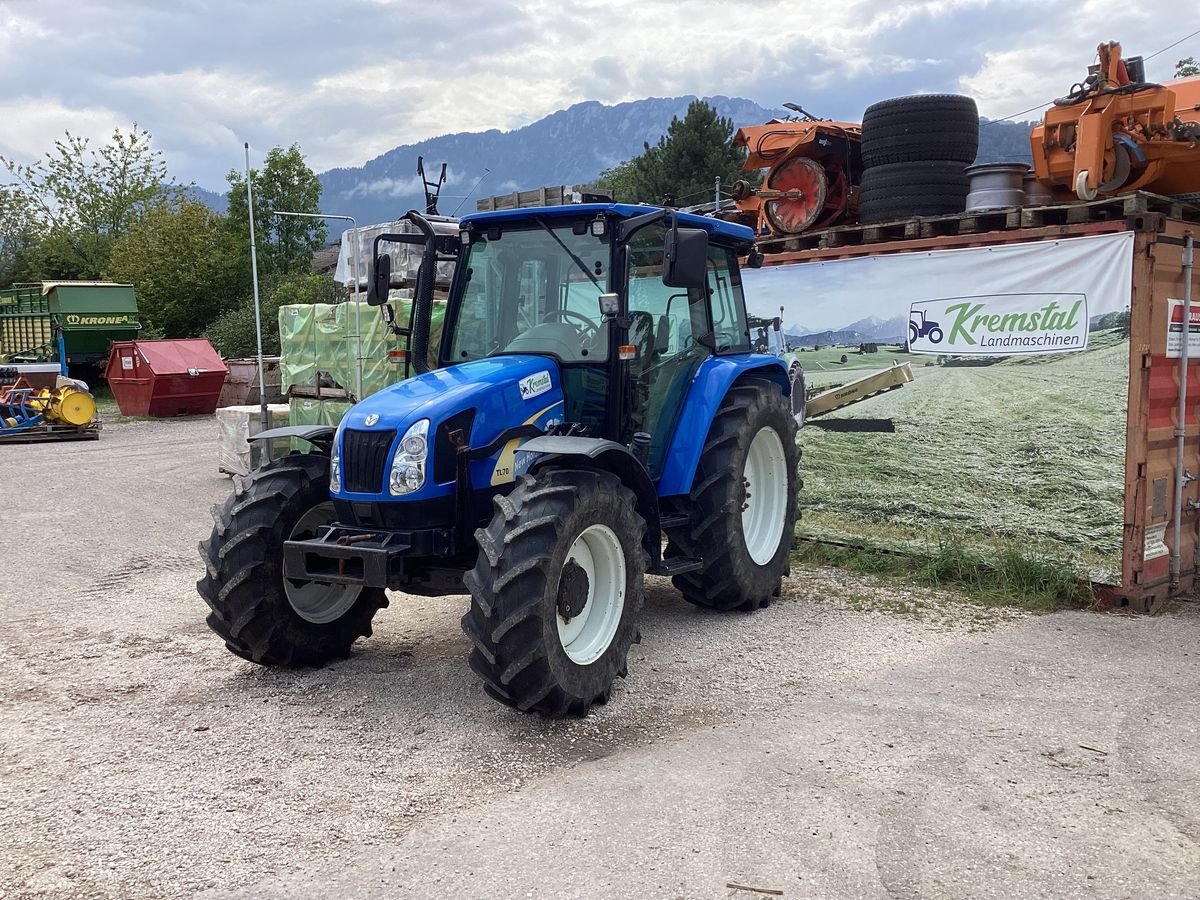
x=260, y=615
x=742, y=506
x=556, y=590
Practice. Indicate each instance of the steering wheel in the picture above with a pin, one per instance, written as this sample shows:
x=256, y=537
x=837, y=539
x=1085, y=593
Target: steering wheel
x=587, y=332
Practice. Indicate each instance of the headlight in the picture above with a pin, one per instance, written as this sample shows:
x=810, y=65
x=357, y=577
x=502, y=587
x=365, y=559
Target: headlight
x=335, y=464
x=408, y=465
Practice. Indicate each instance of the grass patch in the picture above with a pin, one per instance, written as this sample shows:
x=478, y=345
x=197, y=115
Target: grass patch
x=1028, y=452
x=1013, y=578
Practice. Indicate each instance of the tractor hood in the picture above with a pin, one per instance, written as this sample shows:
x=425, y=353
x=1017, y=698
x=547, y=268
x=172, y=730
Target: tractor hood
x=503, y=391
x=497, y=385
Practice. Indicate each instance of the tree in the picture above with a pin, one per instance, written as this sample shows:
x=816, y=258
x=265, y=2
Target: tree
x=21, y=234
x=88, y=198
x=233, y=333
x=184, y=266
x=285, y=182
x=1187, y=67
x=683, y=166
x=619, y=181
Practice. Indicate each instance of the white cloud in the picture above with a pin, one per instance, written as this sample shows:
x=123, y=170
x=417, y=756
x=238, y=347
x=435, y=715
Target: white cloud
x=31, y=126
x=351, y=80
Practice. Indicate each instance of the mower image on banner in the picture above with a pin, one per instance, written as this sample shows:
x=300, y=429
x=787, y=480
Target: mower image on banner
x=595, y=415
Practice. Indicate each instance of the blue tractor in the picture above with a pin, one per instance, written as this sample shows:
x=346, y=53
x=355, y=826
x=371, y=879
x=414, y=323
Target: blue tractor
x=593, y=414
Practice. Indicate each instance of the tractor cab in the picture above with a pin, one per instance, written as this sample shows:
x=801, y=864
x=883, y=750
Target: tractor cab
x=593, y=413
x=627, y=304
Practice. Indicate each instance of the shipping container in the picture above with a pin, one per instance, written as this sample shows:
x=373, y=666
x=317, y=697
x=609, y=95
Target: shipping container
x=935, y=460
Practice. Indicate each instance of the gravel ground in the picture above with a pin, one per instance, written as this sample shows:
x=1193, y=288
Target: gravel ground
x=830, y=746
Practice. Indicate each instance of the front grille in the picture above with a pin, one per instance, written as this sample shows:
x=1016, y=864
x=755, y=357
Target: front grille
x=365, y=458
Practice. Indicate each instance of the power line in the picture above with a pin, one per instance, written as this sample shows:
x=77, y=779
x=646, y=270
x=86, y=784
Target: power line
x=1051, y=100
x=1169, y=46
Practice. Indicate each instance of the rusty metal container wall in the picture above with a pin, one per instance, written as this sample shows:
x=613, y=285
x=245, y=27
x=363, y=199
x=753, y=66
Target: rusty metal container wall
x=241, y=384
x=1150, y=448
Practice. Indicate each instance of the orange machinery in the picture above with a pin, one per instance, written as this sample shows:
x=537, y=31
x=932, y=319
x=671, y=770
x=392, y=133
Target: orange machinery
x=813, y=169
x=1115, y=133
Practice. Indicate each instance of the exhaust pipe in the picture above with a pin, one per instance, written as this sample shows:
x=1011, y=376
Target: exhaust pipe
x=423, y=294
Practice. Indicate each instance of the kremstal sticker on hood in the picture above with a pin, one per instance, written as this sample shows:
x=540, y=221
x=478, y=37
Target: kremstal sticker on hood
x=535, y=385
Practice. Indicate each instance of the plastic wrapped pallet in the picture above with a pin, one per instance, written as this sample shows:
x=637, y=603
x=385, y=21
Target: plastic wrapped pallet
x=311, y=411
x=298, y=360
x=319, y=339
x=234, y=425
x=406, y=258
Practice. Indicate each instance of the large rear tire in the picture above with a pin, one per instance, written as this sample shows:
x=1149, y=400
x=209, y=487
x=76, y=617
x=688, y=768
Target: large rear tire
x=260, y=616
x=556, y=591
x=742, y=506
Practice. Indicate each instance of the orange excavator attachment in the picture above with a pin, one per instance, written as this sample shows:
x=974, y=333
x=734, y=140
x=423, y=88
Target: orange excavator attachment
x=1115, y=133
x=812, y=167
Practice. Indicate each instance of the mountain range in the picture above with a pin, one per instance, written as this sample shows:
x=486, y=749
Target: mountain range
x=568, y=147
x=869, y=330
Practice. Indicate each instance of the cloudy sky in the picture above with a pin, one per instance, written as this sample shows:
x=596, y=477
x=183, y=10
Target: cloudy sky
x=350, y=79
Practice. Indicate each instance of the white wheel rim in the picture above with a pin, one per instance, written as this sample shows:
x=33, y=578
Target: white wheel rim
x=765, y=508
x=315, y=601
x=586, y=636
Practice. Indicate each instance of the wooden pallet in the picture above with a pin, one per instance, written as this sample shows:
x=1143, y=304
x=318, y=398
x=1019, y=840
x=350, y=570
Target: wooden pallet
x=47, y=432
x=980, y=221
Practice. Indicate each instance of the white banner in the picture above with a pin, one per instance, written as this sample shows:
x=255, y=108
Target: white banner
x=1007, y=299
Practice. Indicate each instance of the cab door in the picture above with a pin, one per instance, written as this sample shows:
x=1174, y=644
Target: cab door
x=673, y=331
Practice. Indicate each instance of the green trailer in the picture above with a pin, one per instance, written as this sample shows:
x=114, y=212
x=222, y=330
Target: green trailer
x=88, y=315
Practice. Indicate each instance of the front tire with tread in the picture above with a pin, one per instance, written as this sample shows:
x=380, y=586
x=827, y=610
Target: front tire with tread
x=513, y=621
x=244, y=585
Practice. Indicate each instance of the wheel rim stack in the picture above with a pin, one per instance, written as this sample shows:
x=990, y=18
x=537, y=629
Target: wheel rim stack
x=915, y=151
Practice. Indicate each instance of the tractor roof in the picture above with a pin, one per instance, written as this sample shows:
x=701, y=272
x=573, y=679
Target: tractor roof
x=731, y=232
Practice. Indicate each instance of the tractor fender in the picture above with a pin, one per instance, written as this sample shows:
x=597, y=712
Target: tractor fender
x=320, y=436
x=597, y=453
x=713, y=380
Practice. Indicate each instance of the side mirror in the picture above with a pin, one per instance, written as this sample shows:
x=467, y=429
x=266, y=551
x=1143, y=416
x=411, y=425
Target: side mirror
x=685, y=258
x=755, y=258
x=381, y=280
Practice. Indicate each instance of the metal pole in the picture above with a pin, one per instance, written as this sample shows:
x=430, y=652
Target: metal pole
x=717, y=196
x=263, y=418
x=1182, y=476
x=358, y=357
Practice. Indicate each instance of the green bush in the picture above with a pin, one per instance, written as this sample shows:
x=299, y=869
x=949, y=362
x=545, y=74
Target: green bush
x=233, y=333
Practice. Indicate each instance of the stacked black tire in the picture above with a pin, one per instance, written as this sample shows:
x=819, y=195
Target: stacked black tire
x=914, y=152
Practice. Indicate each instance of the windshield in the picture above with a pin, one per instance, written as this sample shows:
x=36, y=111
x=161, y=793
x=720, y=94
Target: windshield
x=533, y=290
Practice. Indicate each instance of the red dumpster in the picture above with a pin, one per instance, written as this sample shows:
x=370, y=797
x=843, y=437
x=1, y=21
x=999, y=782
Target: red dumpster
x=165, y=378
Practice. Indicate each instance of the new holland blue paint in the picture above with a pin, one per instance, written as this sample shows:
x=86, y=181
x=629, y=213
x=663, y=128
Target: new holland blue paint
x=738, y=234
x=713, y=379
x=489, y=386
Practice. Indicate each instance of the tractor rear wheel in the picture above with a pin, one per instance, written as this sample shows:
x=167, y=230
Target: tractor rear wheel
x=556, y=591
x=260, y=615
x=743, y=502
